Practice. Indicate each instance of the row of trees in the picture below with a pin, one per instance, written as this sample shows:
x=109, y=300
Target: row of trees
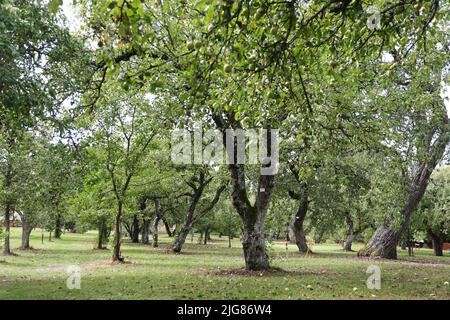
x=359, y=109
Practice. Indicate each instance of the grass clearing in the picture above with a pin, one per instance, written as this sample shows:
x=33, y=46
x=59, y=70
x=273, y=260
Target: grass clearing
x=201, y=272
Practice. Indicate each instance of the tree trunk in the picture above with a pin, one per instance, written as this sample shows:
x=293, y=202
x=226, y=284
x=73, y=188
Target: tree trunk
x=135, y=230
x=101, y=234
x=191, y=217
x=117, y=256
x=437, y=247
x=26, y=231
x=349, y=240
x=145, y=230
x=205, y=240
x=155, y=231
x=229, y=240
x=384, y=242
x=181, y=238
x=404, y=244
x=296, y=225
x=437, y=242
x=254, y=246
x=6, y=247
x=58, y=226
x=166, y=225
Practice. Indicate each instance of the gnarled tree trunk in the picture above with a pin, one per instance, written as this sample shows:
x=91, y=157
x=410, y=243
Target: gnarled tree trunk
x=296, y=225
x=253, y=241
x=145, y=220
x=384, y=242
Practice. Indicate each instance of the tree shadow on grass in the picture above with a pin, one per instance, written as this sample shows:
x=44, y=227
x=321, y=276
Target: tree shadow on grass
x=271, y=272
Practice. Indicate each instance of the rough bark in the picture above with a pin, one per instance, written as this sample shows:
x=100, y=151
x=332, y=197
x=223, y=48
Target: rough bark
x=296, y=225
x=135, y=230
x=6, y=245
x=167, y=227
x=252, y=216
x=58, y=226
x=205, y=240
x=155, y=231
x=253, y=241
x=26, y=231
x=350, y=235
x=437, y=242
x=181, y=238
x=384, y=242
x=437, y=247
x=145, y=220
x=117, y=255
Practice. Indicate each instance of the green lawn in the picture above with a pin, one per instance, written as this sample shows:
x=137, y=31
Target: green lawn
x=200, y=272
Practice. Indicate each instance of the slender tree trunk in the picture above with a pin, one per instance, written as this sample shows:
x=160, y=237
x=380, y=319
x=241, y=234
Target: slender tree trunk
x=135, y=230
x=349, y=240
x=58, y=226
x=166, y=225
x=26, y=231
x=117, y=256
x=229, y=240
x=155, y=230
x=192, y=219
x=50, y=236
x=437, y=247
x=101, y=234
x=145, y=231
x=6, y=246
x=205, y=240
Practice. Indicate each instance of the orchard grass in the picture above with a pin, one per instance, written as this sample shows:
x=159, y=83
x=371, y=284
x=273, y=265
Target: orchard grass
x=212, y=271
